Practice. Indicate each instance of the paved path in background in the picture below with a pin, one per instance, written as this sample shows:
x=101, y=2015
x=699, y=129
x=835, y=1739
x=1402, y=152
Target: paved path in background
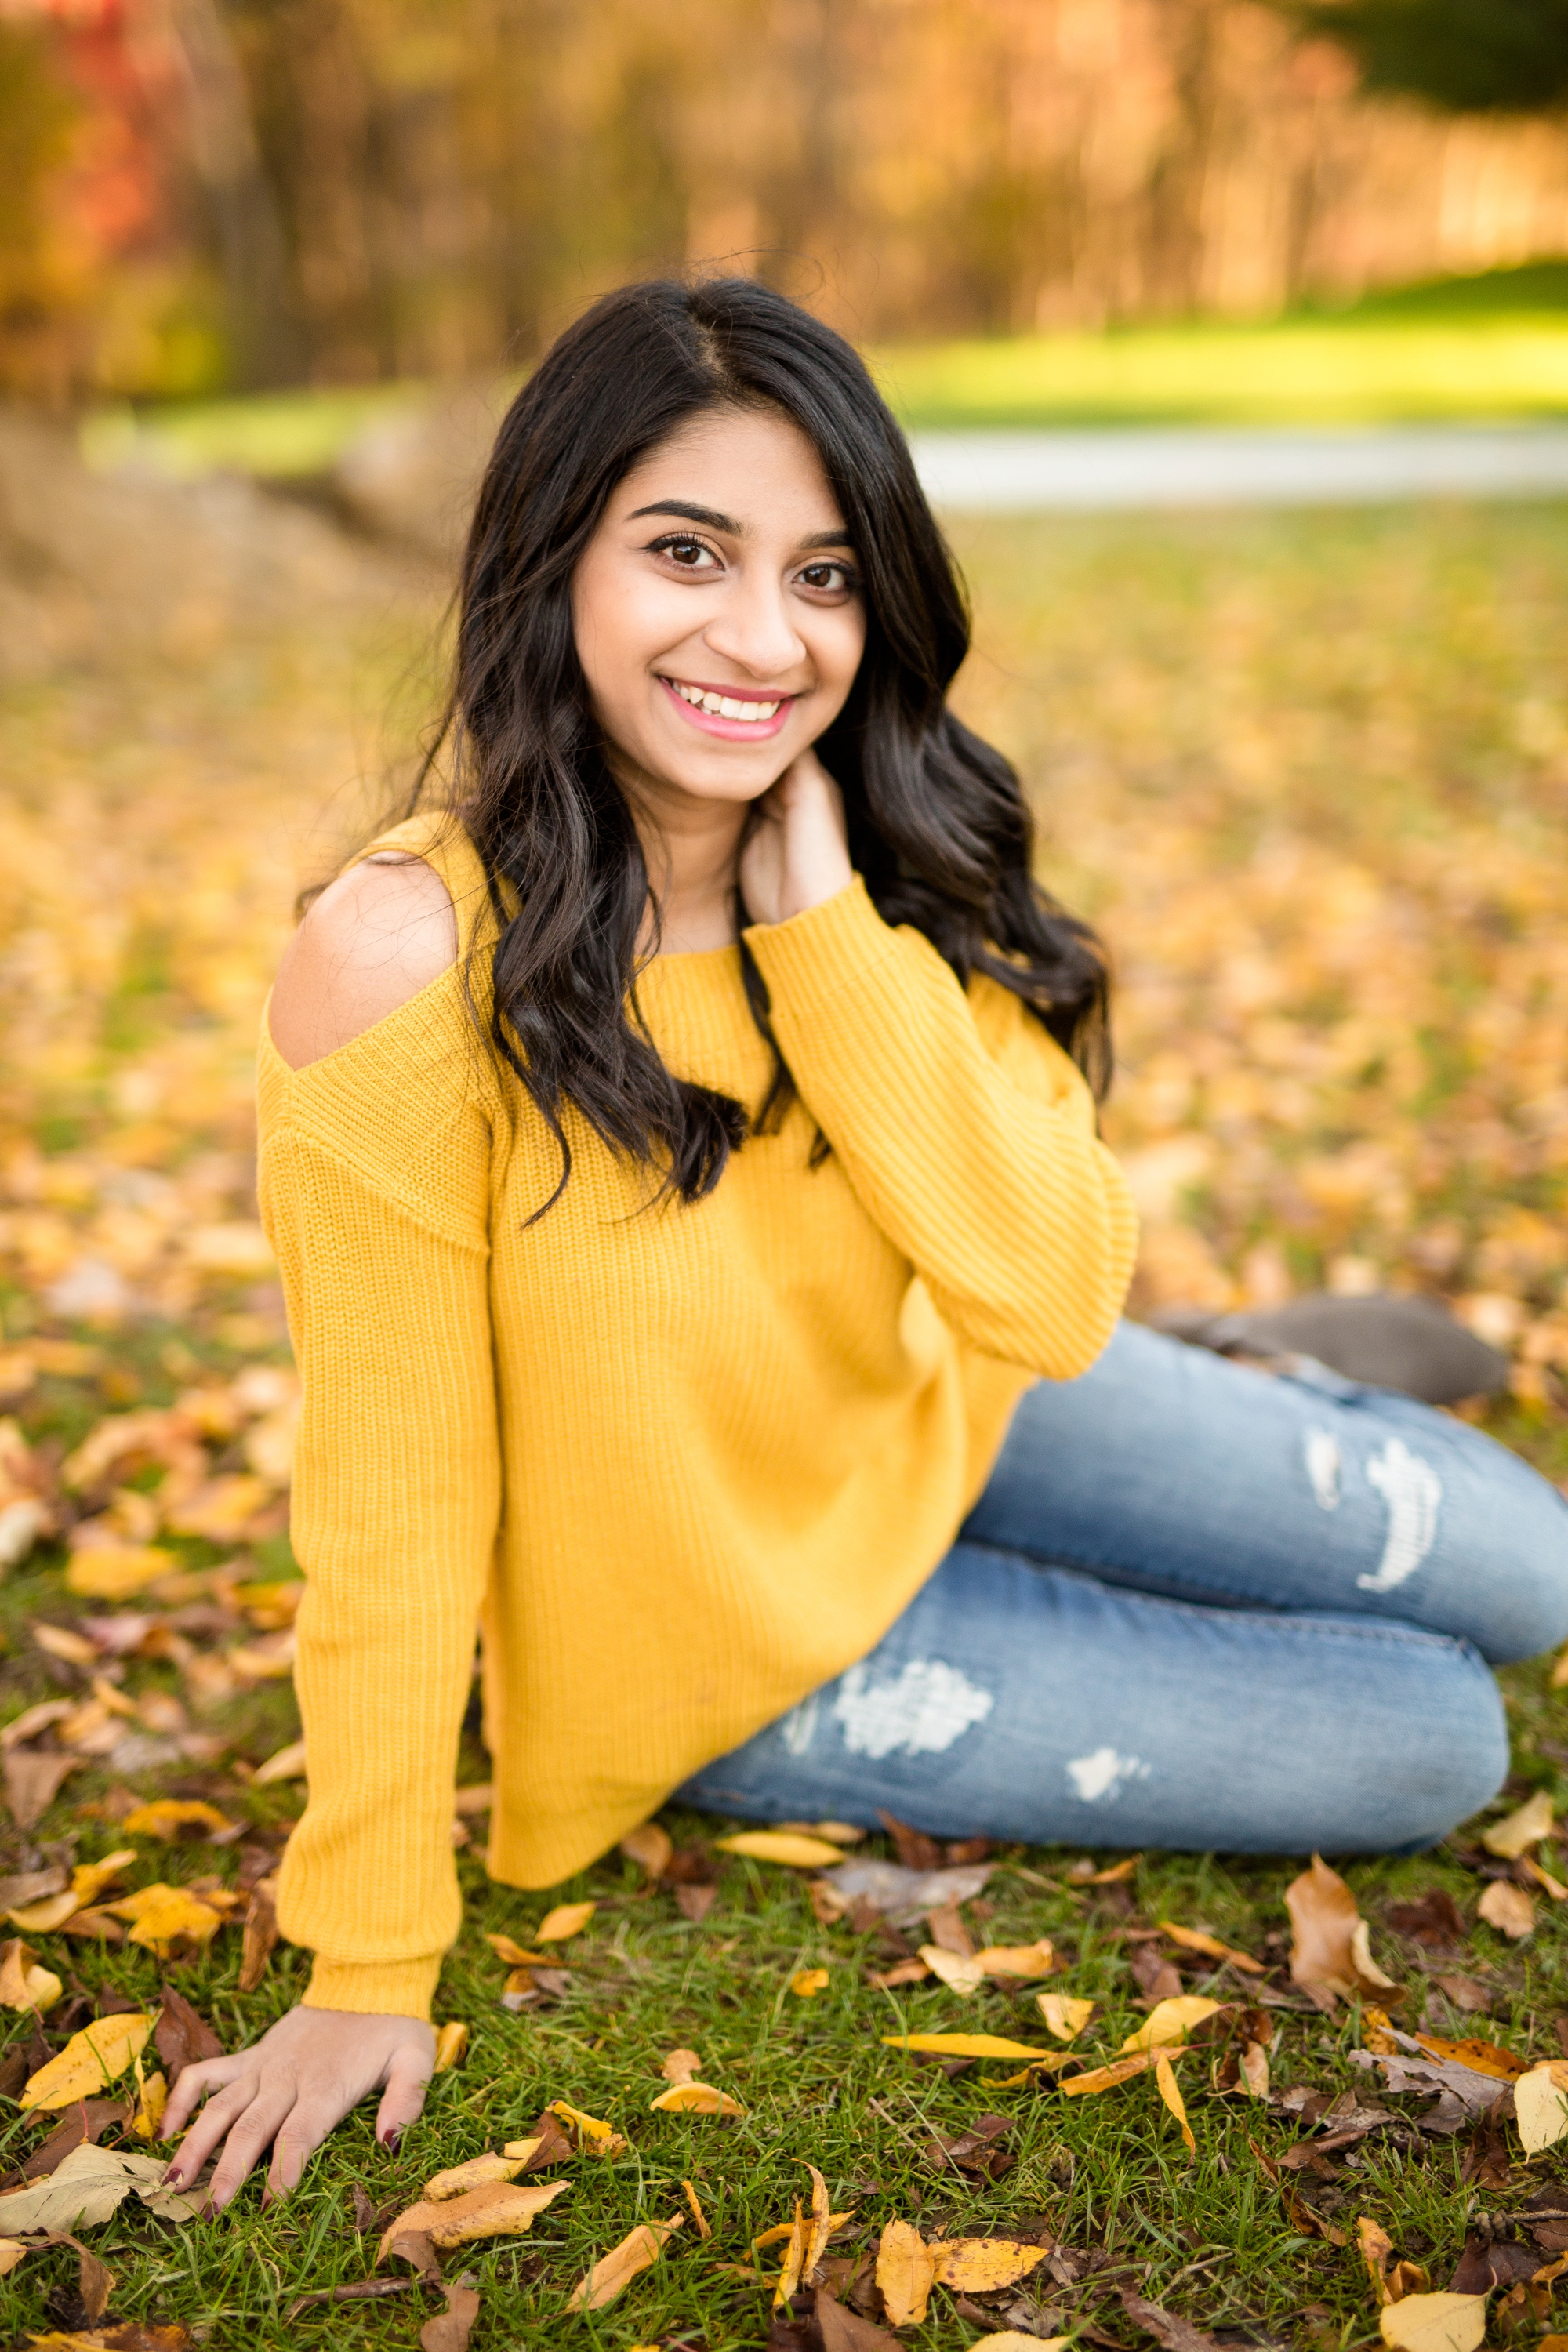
x=1173, y=467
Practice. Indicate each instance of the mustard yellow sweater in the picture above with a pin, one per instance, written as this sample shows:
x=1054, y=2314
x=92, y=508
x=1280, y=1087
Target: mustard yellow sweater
x=682, y=1463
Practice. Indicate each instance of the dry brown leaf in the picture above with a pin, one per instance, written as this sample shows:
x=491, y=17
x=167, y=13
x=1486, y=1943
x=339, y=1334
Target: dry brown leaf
x=1169, y=2023
x=181, y=2036
x=1434, y=2322
x=1194, y=1940
x=450, y=2330
x=1330, y=1953
x=33, y=1779
x=1518, y=1831
x=650, y=1847
x=1165, y=2081
x=1253, y=2069
x=982, y=2265
x=680, y=2066
x=785, y=1846
x=1508, y=1908
x=806, y=1984
x=260, y=1933
x=637, y=2251
x=90, y=2059
x=1036, y=1959
x=1065, y=2016
x=906, y=2272
x=499, y=2208
x=694, y=2098
x=567, y=1919
x=451, y=2042
x=22, y=1983
x=902, y=1972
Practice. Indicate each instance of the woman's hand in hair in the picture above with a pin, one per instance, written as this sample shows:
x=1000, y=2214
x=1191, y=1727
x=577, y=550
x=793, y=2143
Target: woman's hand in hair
x=797, y=853
x=290, y=2089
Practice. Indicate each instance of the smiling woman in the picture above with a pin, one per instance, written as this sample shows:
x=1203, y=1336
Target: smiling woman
x=678, y=1143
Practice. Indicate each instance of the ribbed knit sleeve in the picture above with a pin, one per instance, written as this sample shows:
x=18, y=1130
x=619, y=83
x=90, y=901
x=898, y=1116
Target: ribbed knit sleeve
x=375, y=1186
x=966, y=1132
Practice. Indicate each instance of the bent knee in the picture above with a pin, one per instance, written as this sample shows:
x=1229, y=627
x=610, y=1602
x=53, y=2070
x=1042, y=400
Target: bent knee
x=1522, y=1581
x=1445, y=1753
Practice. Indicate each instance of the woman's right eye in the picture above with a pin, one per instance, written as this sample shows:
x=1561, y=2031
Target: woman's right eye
x=691, y=554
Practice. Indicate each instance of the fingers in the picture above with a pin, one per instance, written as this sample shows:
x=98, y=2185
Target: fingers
x=298, y=2138
x=214, y=2120
x=404, y=2096
x=195, y=2083
x=248, y=2138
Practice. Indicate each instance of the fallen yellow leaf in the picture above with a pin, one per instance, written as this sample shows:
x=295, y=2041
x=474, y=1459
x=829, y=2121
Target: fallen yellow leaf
x=22, y=1983
x=906, y=2272
x=637, y=2251
x=650, y=1847
x=1106, y=2078
x=806, y=1984
x=90, y=2061
x=1376, y=2248
x=1165, y=2081
x=694, y=2205
x=522, y=2150
x=175, y=1817
x=451, y=2042
x=1480, y=2057
x=567, y=1919
x=957, y=1971
x=1541, y=2106
x=1172, y=2021
x=680, y=2065
x=1434, y=2322
x=1519, y=1829
x=1065, y=2016
x=1036, y=1959
x=507, y=1949
x=1508, y=1908
x=501, y=2208
x=1193, y=1940
x=1009, y=2340
x=162, y=1916
x=1560, y=1670
x=787, y=1846
x=284, y=1764
x=11, y=2252
x=476, y=2173
x=963, y=2045
x=981, y=2266
x=599, y=2138
x=691, y=2098
x=114, y=1573
x=151, y=2098
x=822, y=2224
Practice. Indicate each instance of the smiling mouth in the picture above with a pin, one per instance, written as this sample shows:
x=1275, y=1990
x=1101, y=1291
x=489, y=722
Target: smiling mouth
x=728, y=706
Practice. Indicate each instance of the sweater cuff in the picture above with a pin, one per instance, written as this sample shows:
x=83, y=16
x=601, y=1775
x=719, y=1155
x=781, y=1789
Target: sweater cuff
x=375, y=1987
x=815, y=956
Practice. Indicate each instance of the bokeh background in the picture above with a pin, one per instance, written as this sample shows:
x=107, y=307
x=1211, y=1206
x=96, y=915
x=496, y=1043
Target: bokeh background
x=268, y=269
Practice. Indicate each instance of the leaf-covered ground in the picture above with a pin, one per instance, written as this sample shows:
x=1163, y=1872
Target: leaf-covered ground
x=1309, y=773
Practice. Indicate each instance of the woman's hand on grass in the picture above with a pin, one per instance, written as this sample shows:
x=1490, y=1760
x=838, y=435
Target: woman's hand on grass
x=288, y=2091
x=797, y=852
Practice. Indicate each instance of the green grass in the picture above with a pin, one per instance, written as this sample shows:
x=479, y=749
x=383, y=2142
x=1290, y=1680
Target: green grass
x=1491, y=347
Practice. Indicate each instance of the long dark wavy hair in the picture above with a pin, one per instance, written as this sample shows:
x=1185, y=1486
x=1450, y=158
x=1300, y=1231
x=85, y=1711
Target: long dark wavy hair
x=938, y=824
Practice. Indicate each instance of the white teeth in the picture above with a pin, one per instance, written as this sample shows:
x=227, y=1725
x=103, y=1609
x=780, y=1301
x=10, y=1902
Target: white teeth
x=724, y=705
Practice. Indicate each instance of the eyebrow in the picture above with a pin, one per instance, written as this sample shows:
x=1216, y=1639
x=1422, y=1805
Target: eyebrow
x=688, y=512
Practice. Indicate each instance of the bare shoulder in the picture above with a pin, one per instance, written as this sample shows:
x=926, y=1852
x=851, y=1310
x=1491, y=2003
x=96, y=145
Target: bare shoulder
x=381, y=933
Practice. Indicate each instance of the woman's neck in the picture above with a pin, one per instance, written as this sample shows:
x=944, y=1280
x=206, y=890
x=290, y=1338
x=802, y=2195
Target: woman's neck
x=691, y=848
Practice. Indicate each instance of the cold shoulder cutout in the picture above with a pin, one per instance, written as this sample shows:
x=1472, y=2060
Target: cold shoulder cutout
x=382, y=931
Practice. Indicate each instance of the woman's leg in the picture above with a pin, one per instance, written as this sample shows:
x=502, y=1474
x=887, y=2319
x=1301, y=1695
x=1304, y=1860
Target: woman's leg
x=1173, y=1471
x=1017, y=1700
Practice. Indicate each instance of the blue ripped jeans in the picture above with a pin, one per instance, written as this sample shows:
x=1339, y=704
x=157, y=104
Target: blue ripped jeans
x=1195, y=1606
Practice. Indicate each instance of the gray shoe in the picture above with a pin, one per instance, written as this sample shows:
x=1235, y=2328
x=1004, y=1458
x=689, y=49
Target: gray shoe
x=1411, y=1344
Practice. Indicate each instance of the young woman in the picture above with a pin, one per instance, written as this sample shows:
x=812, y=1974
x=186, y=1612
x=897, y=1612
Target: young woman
x=679, y=1148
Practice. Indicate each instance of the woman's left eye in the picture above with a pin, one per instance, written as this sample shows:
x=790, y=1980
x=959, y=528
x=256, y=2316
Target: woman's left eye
x=834, y=577
x=689, y=554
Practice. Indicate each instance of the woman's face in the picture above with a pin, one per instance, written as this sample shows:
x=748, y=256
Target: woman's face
x=716, y=608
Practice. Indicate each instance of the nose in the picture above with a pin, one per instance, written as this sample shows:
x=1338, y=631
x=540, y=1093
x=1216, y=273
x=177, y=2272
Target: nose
x=755, y=630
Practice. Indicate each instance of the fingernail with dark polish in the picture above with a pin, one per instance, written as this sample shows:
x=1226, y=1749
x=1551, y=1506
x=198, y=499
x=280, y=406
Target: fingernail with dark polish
x=393, y=2142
